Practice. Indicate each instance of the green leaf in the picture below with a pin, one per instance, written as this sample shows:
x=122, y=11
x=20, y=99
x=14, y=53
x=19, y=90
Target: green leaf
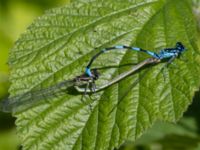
x=59, y=44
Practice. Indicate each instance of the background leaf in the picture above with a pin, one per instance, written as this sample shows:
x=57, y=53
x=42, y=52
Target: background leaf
x=9, y=140
x=58, y=46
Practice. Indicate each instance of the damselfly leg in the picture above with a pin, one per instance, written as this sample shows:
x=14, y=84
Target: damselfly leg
x=89, y=84
x=169, y=62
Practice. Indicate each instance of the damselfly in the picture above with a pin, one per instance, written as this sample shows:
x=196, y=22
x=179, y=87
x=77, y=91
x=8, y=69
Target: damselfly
x=167, y=53
x=119, y=77
x=86, y=82
x=83, y=84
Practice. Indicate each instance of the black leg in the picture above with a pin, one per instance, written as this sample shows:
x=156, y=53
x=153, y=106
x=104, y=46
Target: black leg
x=85, y=92
x=166, y=65
x=88, y=86
x=90, y=105
x=170, y=61
x=93, y=86
x=163, y=73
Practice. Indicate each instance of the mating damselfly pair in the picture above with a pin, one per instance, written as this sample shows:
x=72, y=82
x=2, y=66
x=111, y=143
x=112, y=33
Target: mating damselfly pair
x=85, y=83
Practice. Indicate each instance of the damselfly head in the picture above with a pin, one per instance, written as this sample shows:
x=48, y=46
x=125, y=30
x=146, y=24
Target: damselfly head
x=180, y=46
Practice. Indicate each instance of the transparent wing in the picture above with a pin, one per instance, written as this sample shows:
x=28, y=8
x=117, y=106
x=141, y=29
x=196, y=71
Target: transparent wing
x=32, y=98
